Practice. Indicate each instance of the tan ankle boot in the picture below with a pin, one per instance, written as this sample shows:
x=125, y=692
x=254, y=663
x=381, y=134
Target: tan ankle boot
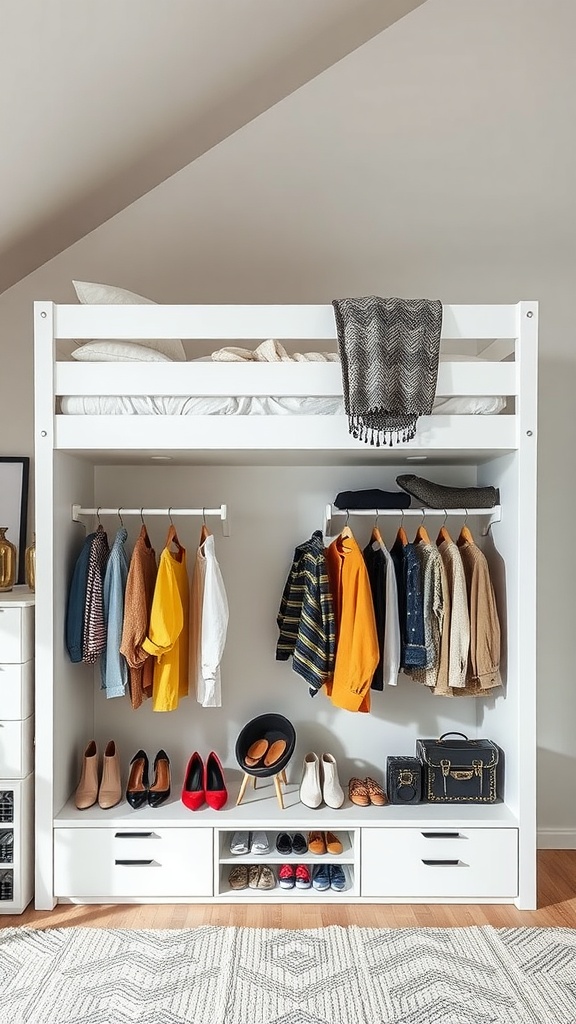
x=87, y=789
x=110, y=792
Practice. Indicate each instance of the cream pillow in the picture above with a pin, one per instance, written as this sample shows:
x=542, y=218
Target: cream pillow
x=106, y=294
x=118, y=352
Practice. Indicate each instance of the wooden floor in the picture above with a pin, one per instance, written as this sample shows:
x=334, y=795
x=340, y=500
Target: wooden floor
x=556, y=908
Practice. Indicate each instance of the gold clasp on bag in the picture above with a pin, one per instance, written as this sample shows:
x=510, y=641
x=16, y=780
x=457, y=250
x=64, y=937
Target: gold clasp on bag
x=462, y=776
x=445, y=766
x=406, y=777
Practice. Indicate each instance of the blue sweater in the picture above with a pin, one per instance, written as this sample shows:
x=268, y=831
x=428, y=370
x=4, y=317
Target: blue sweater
x=113, y=665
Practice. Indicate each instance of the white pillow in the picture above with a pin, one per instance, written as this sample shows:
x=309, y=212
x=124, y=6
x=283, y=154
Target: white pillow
x=118, y=352
x=106, y=294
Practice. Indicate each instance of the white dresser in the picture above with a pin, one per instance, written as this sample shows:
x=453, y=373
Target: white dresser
x=16, y=750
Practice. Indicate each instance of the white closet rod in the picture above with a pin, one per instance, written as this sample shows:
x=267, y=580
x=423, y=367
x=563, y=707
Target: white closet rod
x=221, y=511
x=494, y=514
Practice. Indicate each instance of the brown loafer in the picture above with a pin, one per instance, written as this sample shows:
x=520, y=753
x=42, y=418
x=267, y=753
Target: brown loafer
x=358, y=792
x=376, y=793
x=317, y=843
x=333, y=844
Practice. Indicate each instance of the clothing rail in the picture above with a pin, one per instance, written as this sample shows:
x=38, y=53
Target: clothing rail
x=221, y=511
x=494, y=514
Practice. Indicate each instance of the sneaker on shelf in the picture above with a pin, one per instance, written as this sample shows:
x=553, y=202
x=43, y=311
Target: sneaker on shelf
x=333, y=844
x=317, y=843
x=299, y=844
x=284, y=844
x=303, y=878
x=261, y=876
x=238, y=877
x=287, y=876
x=240, y=843
x=337, y=877
x=321, y=878
x=260, y=845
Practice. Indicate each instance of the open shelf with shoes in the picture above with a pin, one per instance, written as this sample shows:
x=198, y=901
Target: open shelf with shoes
x=349, y=840
x=277, y=893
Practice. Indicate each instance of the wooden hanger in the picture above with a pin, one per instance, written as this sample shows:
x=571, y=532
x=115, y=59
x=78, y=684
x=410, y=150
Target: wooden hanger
x=172, y=538
x=346, y=532
x=204, y=532
x=376, y=536
x=422, y=533
x=465, y=535
x=443, y=534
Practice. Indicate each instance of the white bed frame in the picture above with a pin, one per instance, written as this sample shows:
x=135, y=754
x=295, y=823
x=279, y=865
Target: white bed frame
x=81, y=855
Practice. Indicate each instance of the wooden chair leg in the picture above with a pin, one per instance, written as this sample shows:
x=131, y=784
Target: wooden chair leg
x=242, y=789
x=283, y=777
x=279, y=791
x=254, y=780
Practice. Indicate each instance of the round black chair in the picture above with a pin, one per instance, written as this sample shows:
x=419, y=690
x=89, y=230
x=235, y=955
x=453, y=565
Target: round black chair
x=270, y=727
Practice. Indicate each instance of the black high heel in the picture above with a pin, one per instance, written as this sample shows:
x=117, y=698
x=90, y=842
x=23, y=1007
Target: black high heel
x=137, y=785
x=159, y=791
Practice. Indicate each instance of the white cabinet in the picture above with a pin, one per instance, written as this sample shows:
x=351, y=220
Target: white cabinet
x=443, y=863
x=116, y=863
x=16, y=749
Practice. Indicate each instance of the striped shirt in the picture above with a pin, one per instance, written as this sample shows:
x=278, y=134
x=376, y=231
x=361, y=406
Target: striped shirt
x=306, y=616
x=94, y=635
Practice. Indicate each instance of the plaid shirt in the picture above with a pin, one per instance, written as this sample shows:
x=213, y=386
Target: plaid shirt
x=306, y=616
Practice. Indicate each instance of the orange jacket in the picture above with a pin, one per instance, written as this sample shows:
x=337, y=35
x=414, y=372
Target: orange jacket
x=357, y=651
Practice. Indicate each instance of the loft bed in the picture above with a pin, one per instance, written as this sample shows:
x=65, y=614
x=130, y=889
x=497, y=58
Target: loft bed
x=138, y=405
x=483, y=853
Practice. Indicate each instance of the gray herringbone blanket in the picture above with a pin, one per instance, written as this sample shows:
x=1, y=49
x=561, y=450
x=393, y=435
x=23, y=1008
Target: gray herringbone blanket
x=389, y=351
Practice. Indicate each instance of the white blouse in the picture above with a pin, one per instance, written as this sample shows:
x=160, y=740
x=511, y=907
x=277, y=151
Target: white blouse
x=208, y=625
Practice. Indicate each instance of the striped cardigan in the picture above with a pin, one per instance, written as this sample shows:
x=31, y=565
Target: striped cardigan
x=306, y=616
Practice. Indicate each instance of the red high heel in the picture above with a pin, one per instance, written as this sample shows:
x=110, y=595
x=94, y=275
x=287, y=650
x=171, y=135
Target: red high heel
x=214, y=785
x=193, y=789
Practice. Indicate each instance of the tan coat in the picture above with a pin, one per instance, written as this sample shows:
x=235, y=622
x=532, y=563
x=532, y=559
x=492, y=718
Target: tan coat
x=137, y=605
x=484, y=658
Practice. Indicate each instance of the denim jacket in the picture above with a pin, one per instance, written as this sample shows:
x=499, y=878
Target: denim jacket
x=410, y=604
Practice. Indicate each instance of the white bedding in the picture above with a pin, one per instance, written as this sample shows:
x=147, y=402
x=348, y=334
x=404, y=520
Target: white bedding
x=166, y=405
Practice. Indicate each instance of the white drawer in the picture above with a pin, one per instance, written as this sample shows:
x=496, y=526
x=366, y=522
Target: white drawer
x=16, y=748
x=16, y=691
x=16, y=635
x=440, y=863
x=112, y=863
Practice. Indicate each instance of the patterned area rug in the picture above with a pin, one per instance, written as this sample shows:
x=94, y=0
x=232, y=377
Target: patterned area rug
x=333, y=975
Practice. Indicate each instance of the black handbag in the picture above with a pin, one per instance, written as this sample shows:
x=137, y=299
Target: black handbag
x=404, y=780
x=461, y=770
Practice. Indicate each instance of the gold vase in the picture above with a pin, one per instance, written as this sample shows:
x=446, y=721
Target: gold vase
x=30, y=564
x=7, y=561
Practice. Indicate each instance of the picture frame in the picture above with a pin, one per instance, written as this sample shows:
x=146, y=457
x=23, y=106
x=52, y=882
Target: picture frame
x=14, y=477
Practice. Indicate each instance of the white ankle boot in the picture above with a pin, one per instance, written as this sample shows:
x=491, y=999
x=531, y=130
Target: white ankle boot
x=310, y=790
x=333, y=792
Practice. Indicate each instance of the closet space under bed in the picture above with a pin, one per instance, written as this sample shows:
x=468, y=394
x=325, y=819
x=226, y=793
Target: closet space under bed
x=277, y=476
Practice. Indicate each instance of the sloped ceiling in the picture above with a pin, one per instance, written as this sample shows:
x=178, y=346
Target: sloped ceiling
x=446, y=141
x=105, y=99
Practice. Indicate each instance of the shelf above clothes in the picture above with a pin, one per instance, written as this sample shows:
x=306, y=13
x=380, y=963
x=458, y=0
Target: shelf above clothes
x=490, y=515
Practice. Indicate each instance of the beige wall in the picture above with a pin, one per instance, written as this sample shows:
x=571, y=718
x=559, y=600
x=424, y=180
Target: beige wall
x=405, y=169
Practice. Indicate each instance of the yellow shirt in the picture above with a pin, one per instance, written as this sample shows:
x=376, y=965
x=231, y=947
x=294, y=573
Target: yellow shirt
x=167, y=636
x=357, y=652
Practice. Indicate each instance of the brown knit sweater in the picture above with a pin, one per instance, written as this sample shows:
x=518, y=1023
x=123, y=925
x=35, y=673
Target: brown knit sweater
x=137, y=605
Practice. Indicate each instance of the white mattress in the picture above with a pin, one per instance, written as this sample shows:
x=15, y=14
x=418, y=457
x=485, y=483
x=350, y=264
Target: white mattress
x=166, y=405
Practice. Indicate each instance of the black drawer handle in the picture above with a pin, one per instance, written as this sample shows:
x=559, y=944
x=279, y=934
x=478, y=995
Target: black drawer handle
x=135, y=835
x=442, y=835
x=444, y=863
x=132, y=863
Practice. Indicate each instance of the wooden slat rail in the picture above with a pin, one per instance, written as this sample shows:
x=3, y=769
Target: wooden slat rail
x=258, y=379
x=309, y=322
